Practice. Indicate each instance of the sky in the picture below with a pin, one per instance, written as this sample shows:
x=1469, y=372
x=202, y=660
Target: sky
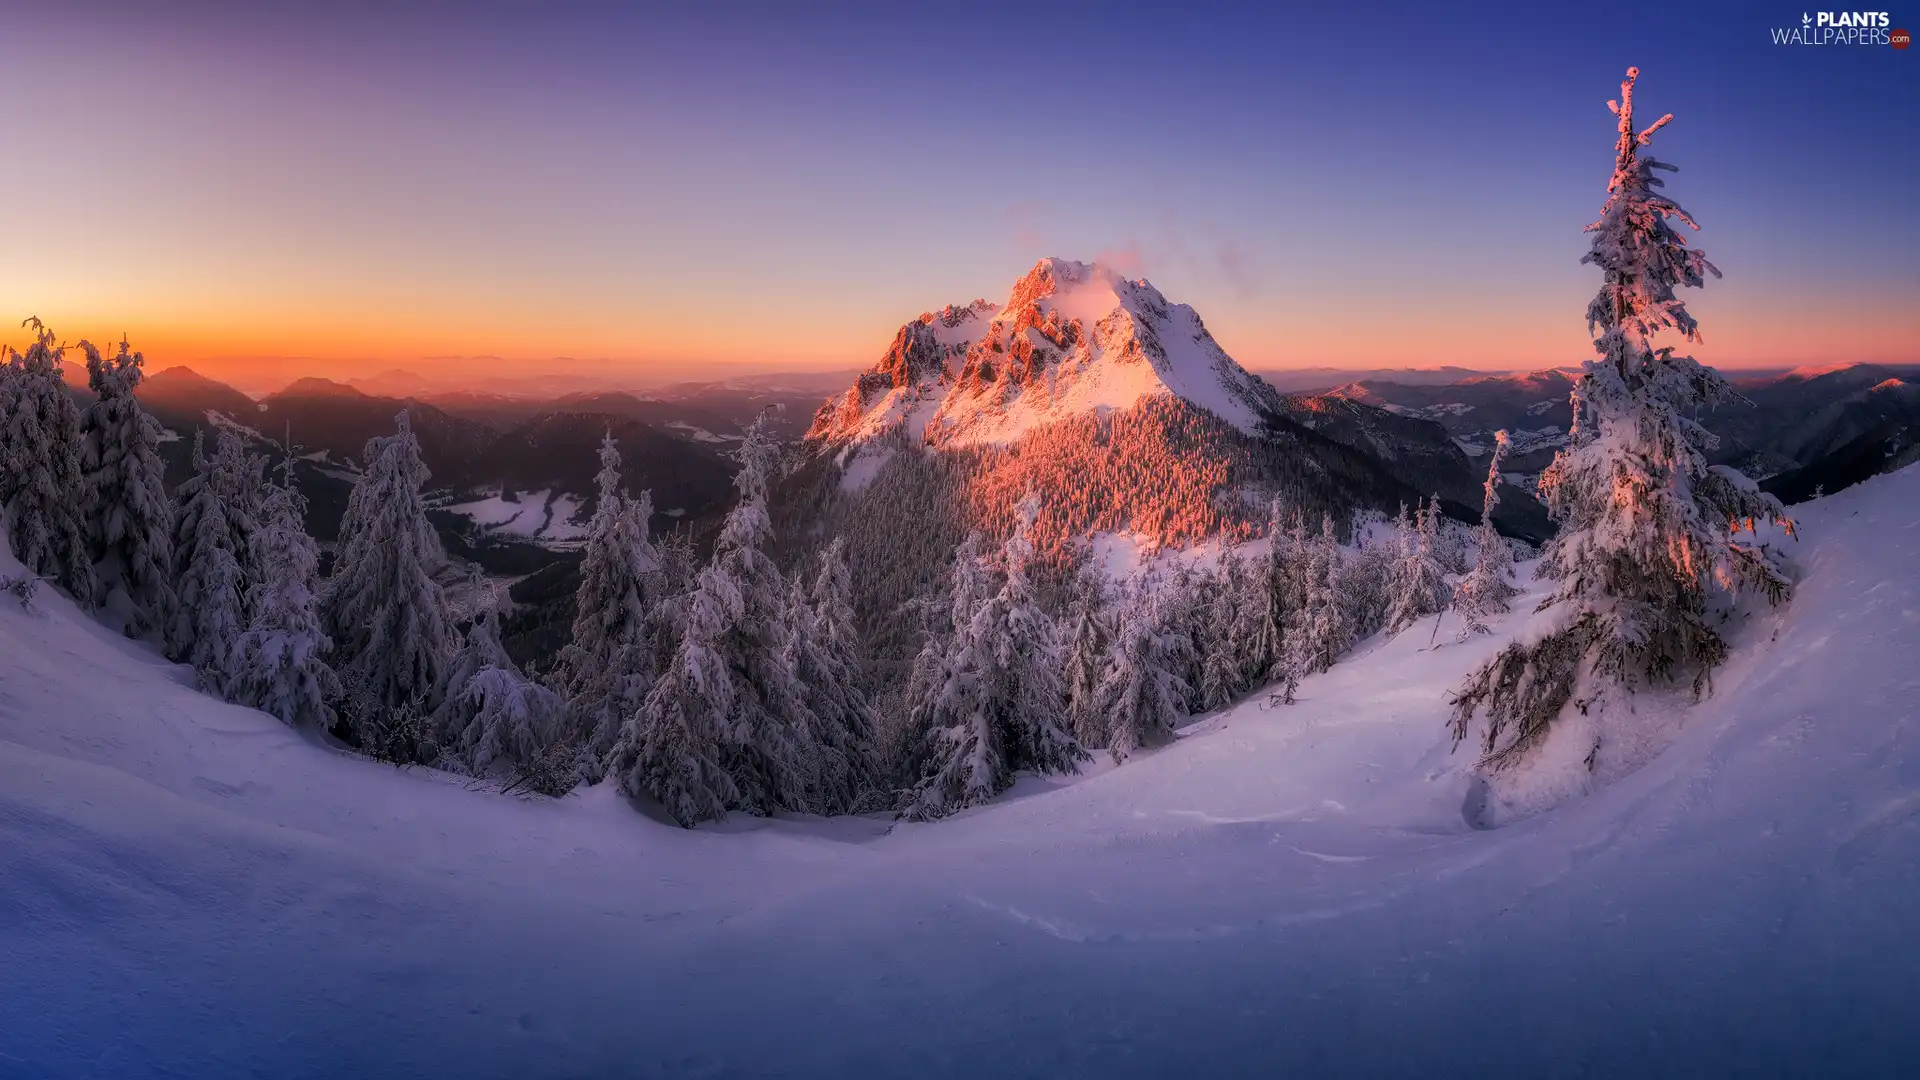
x=263, y=191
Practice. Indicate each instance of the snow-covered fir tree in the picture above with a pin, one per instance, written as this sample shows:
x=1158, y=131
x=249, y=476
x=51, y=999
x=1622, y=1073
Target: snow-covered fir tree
x=827, y=660
x=1487, y=589
x=609, y=665
x=1418, y=585
x=129, y=514
x=1089, y=640
x=721, y=729
x=493, y=720
x=1278, y=594
x=995, y=703
x=479, y=650
x=386, y=614
x=1223, y=658
x=1143, y=688
x=1326, y=632
x=281, y=663
x=1649, y=551
x=42, y=487
x=209, y=584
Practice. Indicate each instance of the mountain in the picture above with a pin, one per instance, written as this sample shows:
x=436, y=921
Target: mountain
x=1072, y=339
x=181, y=399
x=1124, y=411
x=558, y=452
x=1280, y=891
x=1820, y=426
x=323, y=415
x=1863, y=434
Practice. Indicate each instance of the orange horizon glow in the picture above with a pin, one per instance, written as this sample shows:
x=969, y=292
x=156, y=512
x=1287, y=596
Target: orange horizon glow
x=264, y=350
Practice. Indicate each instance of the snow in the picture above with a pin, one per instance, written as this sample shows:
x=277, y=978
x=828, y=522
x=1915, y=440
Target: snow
x=1099, y=375
x=700, y=434
x=538, y=515
x=194, y=889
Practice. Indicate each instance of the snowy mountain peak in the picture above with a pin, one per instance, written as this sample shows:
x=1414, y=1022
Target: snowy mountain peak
x=1072, y=338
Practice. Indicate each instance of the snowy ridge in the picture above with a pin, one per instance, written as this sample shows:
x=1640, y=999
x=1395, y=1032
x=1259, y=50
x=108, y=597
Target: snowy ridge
x=1072, y=338
x=1282, y=891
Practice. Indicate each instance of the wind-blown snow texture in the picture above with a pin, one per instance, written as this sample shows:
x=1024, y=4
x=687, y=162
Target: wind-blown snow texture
x=191, y=888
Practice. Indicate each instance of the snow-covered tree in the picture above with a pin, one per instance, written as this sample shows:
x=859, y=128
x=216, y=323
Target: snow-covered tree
x=1418, y=583
x=1327, y=634
x=826, y=659
x=721, y=729
x=1089, y=640
x=1278, y=589
x=511, y=726
x=129, y=515
x=209, y=585
x=994, y=703
x=42, y=486
x=1223, y=658
x=607, y=668
x=385, y=612
x=493, y=720
x=281, y=666
x=1487, y=589
x=1649, y=552
x=1143, y=688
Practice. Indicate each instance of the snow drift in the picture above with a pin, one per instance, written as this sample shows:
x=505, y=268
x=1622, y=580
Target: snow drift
x=192, y=888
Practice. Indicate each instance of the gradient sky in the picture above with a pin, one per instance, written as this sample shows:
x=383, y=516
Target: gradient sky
x=365, y=186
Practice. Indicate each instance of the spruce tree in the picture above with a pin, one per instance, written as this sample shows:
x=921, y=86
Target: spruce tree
x=721, y=730
x=1143, y=686
x=492, y=720
x=1222, y=659
x=1089, y=639
x=827, y=661
x=609, y=665
x=388, y=619
x=1328, y=634
x=1419, y=583
x=281, y=667
x=129, y=515
x=994, y=704
x=1649, y=551
x=42, y=486
x=1486, y=590
x=210, y=609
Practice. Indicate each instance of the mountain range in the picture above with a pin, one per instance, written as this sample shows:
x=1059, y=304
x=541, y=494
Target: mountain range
x=1796, y=432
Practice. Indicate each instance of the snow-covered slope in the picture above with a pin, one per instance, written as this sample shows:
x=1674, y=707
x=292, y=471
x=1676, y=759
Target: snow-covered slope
x=1072, y=338
x=192, y=890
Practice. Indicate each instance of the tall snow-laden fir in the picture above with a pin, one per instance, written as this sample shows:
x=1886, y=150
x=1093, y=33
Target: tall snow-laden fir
x=129, y=515
x=1487, y=589
x=1649, y=552
x=494, y=721
x=209, y=549
x=1143, y=688
x=1089, y=639
x=281, y=659
x=607, y=668
x=1224, y=658
x=721, y=728
x=388, y=619
x=993, y=703
x=1327, y=632
x=1418, y=582
x=42, y=487
x=827, y=659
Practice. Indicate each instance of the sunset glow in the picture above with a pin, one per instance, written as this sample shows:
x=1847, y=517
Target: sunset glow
x=262, y=195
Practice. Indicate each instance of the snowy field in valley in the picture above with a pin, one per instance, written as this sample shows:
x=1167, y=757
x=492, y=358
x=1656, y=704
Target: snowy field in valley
x=193, y=889
x=529, y=515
